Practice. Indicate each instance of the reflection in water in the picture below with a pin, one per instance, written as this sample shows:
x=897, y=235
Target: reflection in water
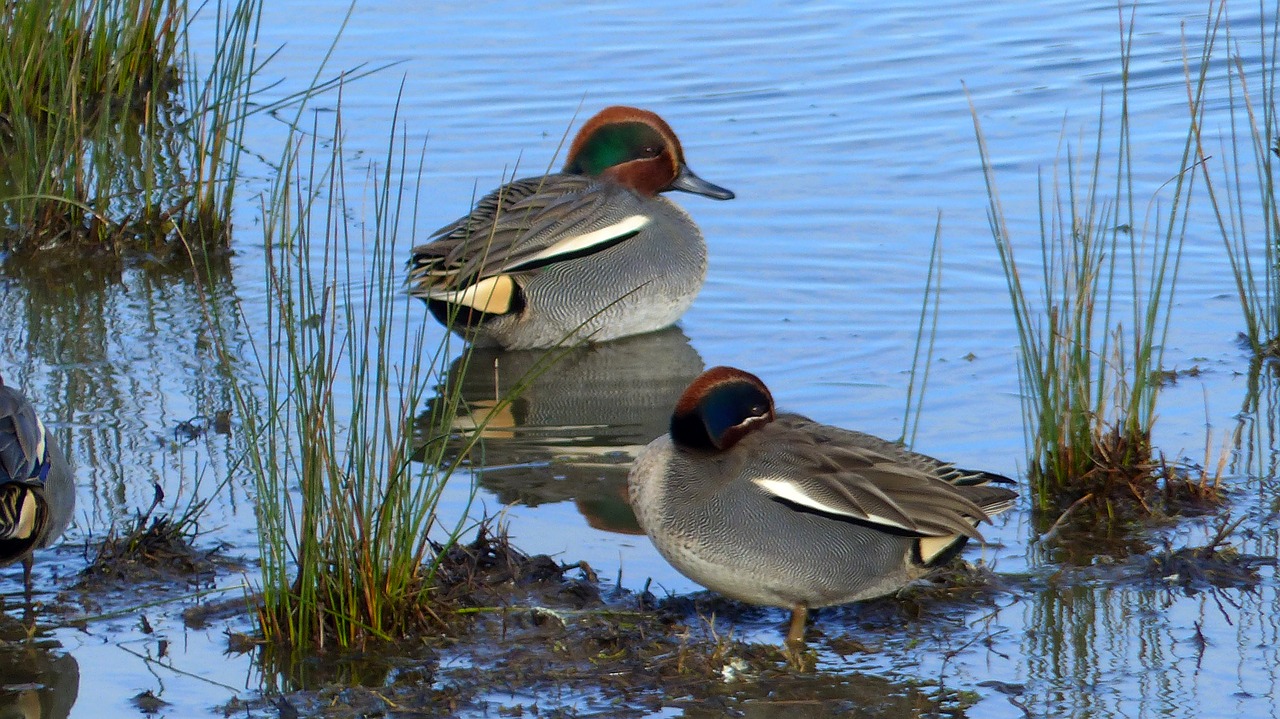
x=284, y=671
x=1257, y=429
x=572, y=433
x=1119, y=641
x=36, y=683
x=116, y=361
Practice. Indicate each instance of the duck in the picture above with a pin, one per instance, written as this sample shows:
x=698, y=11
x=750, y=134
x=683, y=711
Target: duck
x=37, y=486
x=772, y=508
x=588, y=254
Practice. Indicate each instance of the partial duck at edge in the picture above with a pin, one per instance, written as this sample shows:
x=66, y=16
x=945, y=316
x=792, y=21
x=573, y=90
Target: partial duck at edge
x=37, y=487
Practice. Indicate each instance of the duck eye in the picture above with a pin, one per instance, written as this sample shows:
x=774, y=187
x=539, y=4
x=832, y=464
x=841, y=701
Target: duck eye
x=651, y=151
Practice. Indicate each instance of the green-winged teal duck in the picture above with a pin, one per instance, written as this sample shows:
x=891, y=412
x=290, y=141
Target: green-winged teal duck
x=589, y=254
x=776, y=509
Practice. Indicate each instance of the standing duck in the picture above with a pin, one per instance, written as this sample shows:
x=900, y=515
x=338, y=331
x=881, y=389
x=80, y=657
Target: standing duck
x=776, y=509
x=37, y=489
x=589, y=254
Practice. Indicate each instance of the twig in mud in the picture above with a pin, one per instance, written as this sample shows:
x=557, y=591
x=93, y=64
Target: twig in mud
x=1052, y=534
x=175, y=670
x=610, y=613
x=1224, y=530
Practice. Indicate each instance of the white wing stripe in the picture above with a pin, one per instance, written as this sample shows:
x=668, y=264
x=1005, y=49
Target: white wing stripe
x=788, y=491
x=577, y=243
x=39, y=453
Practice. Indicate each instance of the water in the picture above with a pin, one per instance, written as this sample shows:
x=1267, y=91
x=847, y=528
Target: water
x=846, y=133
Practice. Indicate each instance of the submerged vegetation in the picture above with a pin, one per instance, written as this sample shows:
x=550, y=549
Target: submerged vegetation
x=113, y=139
x=1091, y=348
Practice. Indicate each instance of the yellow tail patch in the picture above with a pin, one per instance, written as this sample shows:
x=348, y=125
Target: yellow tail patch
x=932, y=547
x=492, y=295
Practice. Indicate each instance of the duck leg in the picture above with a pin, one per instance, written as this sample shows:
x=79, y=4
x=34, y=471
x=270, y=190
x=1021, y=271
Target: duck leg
x=799, y=616
x=27, y=562
x=28, y=610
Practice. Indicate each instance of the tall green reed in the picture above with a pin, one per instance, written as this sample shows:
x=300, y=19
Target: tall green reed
x=1092, y=321
x=1246, y=212
x=113, y=136
x=926, y=333
x=1240, y=186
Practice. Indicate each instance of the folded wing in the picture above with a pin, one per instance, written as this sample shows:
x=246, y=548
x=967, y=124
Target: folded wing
x=523, y=226
x=874, y=485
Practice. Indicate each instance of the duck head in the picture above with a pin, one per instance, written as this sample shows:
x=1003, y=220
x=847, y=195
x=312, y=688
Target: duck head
x=638, y=149
x=719, y=408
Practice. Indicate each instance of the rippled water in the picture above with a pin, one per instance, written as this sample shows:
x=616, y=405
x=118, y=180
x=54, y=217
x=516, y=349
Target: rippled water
x=845, y=132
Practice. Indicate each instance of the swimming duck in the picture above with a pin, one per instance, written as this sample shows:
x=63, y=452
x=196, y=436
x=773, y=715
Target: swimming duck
x=589, y=254
x=775, y=509
x=37, y=488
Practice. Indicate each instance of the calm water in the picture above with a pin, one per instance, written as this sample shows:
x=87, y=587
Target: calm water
x=845, y=132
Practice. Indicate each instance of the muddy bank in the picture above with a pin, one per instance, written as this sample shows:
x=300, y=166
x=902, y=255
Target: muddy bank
x=542, y=638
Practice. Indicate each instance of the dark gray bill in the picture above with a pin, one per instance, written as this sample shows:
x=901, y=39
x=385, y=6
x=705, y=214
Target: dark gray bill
x=689, y=182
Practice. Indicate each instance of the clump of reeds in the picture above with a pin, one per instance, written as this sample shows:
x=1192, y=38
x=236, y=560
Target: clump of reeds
x=113, y=137
x=346, y=516
x=1093, y=319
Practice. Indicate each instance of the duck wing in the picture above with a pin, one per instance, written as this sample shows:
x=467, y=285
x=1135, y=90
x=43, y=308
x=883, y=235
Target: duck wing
x=523, y=226
x=847, y=474
x=23, y=457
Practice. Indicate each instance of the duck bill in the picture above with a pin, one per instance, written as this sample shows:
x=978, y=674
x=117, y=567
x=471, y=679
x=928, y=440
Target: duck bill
x=686, y=181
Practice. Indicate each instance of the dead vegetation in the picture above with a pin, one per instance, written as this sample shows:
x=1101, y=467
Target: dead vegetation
x=1215, y=565
x=1128, y=489
x=155, y=548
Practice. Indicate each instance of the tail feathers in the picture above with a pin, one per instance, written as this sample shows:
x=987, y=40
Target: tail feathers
x=22, y=514
x=977, y=478
x=24, y=522
x=988, y=490
x=993, y=500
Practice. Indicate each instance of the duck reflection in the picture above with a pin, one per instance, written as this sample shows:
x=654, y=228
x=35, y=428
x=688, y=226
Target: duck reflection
x=36, y=683
x=572, y=432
